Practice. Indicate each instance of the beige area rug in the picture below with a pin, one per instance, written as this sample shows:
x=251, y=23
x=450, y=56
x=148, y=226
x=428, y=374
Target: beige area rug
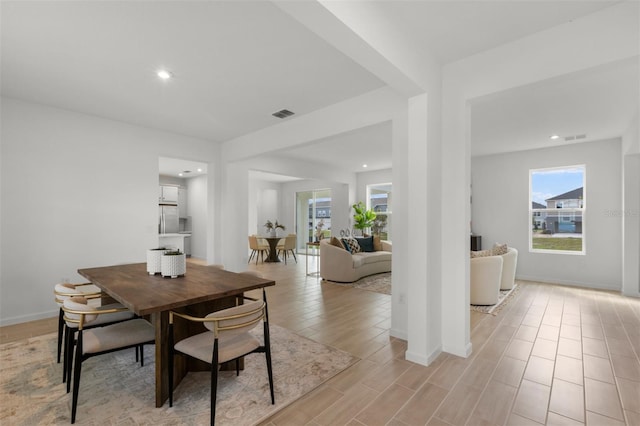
x=503, y=299
x=116, y=390
x=379, y=283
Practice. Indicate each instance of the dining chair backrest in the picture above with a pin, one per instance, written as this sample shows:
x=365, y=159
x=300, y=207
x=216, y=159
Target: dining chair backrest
x=237, y=320
x=253, y=242
x=290, y=242
x=72, y=307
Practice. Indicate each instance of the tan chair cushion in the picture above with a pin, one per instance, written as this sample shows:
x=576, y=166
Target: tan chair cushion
x=122, y=334
x=200, y=346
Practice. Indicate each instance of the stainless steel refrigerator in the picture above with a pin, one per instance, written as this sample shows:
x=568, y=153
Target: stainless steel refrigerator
x=169, y=221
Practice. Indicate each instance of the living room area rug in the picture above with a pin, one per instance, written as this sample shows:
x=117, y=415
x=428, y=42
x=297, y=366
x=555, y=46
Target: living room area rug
x=503, y=299
x=114, y=389
x=379, y=283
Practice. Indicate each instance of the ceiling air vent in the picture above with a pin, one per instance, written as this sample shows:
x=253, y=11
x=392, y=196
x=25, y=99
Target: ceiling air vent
x=283, y=113
x=575, y=137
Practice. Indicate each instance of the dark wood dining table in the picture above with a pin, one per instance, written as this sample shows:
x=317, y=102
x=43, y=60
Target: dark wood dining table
x=202, y=290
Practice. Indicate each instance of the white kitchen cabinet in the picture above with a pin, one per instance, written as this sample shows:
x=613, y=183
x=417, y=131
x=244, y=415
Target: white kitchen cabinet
x=182, y=202
x=168, y=194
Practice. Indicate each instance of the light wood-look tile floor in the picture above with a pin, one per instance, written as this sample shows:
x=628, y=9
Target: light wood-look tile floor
x=554, y=355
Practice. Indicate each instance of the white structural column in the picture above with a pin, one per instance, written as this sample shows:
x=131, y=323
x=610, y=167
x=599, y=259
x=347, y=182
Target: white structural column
x=235, y=217
x=424, y=317
x=455, y=214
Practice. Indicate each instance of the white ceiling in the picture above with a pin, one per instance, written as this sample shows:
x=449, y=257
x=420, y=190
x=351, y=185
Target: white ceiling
x=369, y=145
x=453, y=30
x=235, y=63
x=174, y=167
x=598, y=103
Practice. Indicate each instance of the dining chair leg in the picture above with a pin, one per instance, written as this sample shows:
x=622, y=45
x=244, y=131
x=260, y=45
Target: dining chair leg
x=214, y=381
x=60, y=332
x=68, y=355
x=267, y=352
x=69, y=361
x=294, y=256
x=76, y=377
x=141, y=355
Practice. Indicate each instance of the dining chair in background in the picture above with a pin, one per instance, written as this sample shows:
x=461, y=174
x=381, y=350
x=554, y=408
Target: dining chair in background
x=288, y=245
x=256, y=249
x=96, y=341
x=228, y=338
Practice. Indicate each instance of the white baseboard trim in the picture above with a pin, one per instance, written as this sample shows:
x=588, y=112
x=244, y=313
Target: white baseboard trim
x=422, y=359
x=461, y=352
x=27, y=318
x=595, y=286
x=631, y=293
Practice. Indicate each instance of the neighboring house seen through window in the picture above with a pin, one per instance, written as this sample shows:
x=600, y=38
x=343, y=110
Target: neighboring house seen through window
x=557, y=209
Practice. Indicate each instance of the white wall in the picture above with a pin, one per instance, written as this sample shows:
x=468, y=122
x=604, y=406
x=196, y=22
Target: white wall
x=371, y=178
x=631, y=209
x=500, y=212
x=197, y=209
x=77, y=191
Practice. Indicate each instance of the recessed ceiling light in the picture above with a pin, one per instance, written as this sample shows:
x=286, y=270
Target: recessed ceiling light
x=164, y=74
x=364, y=165
x=554, y=137
x=199, y=170
x=179, y=174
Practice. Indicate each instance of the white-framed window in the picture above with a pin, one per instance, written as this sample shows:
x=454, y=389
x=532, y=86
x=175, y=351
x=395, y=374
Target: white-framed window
x=379, y=199
x=557, y=207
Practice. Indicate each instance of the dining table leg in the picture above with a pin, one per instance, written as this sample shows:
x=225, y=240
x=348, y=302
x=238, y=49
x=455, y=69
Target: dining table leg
x=161, y=322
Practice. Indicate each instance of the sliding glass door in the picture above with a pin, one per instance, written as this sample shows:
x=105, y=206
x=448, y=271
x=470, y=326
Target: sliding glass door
x=379, y=198
x=313, y=216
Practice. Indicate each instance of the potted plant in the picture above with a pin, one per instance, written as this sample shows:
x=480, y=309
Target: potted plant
x=273, y=227
x=173, y=264
x=363, y=217
x=154, y=257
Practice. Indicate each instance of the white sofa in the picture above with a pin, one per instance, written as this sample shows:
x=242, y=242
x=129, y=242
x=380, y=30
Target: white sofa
x=339, y=265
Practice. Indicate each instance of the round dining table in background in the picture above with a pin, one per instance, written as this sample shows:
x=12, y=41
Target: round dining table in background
x=273, y=251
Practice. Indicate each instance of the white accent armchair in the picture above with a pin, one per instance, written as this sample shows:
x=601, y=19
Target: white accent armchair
x=485, y=279
x=509, y=262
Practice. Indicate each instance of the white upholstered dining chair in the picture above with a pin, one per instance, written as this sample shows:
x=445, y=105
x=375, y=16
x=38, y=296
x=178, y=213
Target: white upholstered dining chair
x=101, y=340
x=227, y=338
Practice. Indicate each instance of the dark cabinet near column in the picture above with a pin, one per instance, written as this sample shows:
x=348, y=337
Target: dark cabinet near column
x=476, y=242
